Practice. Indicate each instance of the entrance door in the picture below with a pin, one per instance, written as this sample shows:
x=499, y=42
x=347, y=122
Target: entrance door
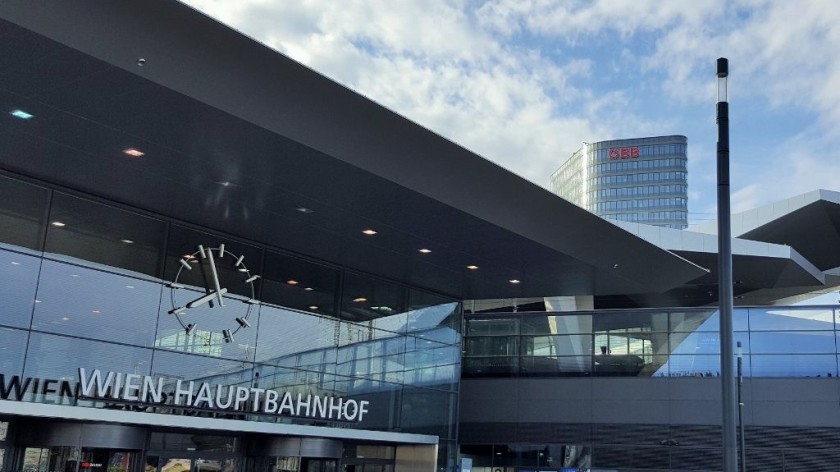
x=192, y=464
x=72, y=459
x=318, y=465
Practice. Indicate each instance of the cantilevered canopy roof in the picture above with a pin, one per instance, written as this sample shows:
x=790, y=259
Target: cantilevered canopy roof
x=762, y=272
x=238, y=138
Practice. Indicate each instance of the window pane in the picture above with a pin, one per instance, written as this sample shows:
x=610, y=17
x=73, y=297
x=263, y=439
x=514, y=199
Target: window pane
x=556, y=366
x=23, y=212
x=99, y=233
x=12, y=350
x=814, y=365
x=793, y=342
x=299, y=284
x=492, y=327
x=175, y=365
x=208, y=330
x=284, y=334
x=19, y=274
x=429, y=311
x=691, y=366
x=367, y=298
x=556, y=324
x=60, y=357
x=771, y=319
x=94, y=304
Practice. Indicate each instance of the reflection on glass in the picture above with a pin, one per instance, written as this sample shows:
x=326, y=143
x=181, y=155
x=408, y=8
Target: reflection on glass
x=12, y=350
x=427, y=310
x=492, y=326
x=799, y=342
x=106, y=235
x=19, y=274
x=790, y=319
x=60, y=357
x=629, y=345
x=209, y=324
x=789, y=365
x=296, y=283
x=367, y=298
x=285, y=334
x=176, y=465
x=48, y=459
x=22, y=214
x=173, y=365
x=86, y=302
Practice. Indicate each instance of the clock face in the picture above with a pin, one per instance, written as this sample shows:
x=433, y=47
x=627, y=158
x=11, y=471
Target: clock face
x=220, y=275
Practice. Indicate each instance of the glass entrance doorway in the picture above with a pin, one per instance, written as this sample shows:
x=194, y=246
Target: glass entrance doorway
x=189, y=464
x=74, y=459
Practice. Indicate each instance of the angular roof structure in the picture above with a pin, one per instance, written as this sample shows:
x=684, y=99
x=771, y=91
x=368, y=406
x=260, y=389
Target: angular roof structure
x=241, y=139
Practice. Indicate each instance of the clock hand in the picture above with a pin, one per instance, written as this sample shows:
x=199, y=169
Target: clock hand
x=206, y=298
x=215, y=277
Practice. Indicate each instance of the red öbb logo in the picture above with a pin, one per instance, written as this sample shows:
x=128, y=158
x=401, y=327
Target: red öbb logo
x=623, y=153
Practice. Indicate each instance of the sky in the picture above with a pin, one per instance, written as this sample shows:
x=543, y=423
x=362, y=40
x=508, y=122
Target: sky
x=524, y=83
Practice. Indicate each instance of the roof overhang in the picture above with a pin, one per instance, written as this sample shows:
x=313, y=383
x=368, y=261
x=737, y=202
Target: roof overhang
x=762, y=273
x=237, y=136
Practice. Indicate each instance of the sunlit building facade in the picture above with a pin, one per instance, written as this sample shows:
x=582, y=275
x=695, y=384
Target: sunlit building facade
x=213, y=259
x=639, y=180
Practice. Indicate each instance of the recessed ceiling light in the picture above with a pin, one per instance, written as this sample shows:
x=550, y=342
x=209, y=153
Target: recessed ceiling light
x=127, y=241
x=97, y=311
x=425, y=251
x=305, y=210
x=313, y=307
x=369, y=232
x=514, y=281
x=472, y=267
x=129, y=286
x=360, y=299
x=65, y=318
x=134, y=152
x=226, y=183
x=21, y=114
x=292, y=282
x=309, y=289
x=58, y=224
x=15, y=263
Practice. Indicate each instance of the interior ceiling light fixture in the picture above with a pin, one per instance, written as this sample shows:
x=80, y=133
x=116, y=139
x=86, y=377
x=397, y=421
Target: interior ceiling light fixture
x=514, y=281
x=360, y=299
x=309, y=289
x=58, y=224
x=472, y=267
x=134, y=152
x=425, y=251
x=126, y=241
x=292, y=282
x=305, y=210
x=21, y=114
x=369, y=232
x=313, y=307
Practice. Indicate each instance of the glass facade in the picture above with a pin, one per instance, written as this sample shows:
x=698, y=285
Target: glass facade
x=87, y=284
x=641, y=180
x=776, y=342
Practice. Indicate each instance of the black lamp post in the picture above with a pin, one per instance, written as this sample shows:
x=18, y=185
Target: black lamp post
x=730, y=448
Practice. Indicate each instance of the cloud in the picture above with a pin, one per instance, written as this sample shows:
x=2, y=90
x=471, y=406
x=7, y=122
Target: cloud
x=524, y=82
